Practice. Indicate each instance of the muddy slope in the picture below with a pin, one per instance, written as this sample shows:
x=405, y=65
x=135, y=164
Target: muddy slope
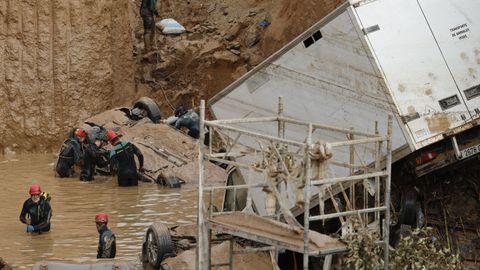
x=60, y=61
x=224, y=40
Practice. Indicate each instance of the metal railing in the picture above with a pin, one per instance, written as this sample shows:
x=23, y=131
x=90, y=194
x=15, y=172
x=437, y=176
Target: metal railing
x=307, y=159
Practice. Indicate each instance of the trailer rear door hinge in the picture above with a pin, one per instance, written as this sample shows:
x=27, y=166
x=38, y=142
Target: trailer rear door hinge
x=370, y=29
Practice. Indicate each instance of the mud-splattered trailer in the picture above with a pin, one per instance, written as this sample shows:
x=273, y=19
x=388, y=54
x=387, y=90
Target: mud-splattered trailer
x=418, y=60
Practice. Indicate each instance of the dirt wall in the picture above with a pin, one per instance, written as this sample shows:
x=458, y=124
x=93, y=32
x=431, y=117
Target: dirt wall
x=60, y=61
x=224, y=40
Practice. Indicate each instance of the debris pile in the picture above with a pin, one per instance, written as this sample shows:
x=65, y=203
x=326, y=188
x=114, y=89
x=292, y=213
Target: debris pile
x=417, y=249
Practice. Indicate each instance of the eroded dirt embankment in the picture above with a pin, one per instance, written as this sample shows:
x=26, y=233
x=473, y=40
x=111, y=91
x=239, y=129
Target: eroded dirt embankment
x=224, y=40
x=60, y=61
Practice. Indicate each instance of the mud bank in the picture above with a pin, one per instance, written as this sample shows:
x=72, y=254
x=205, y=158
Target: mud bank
x=224, y=40
x=60, y=61
x=64, y=60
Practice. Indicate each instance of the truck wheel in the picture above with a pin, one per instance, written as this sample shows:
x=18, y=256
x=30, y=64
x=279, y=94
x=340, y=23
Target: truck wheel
x=158, y=245
x=150, y=106
x=408, y=208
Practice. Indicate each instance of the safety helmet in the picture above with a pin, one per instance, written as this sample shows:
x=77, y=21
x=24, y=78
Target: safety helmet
x=35, y=189
x=179, y=111
x=111, y=135
x=80, y=132
x=101, y=218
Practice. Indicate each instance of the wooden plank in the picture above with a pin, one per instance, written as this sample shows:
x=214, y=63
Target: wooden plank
x=272, y=232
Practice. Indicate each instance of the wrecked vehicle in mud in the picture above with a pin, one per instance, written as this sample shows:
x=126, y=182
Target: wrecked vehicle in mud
x=170, y=156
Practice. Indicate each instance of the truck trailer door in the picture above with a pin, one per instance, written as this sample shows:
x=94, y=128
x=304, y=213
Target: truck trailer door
x=418, y=78
x=455, y=25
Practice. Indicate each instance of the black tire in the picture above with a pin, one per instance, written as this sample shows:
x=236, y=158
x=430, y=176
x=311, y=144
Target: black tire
x=169, y=181
x=158, y=245
x=408, y=208
x=151, y=107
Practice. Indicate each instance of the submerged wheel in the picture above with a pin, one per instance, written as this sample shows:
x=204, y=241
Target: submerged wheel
x=150, y=106
x=158, y=245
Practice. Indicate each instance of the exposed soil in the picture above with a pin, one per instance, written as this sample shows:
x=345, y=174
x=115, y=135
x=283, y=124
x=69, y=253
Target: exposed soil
x=223, y=41
x=60, y=61
x=64, y=61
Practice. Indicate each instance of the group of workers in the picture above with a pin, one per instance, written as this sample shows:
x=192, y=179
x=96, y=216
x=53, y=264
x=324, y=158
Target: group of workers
x=81, y=149
x=86, y=150
x=37, y=212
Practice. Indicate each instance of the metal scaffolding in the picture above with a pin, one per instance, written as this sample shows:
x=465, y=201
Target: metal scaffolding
x=301, y=163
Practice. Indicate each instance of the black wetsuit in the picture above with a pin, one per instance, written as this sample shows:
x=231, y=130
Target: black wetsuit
x=38, y=214
x=70, y=154
x=93, y=156
x=122, y=162
x=106, y=244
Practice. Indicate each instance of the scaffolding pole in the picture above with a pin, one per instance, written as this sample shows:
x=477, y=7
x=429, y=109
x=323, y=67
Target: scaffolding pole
x=306, y=162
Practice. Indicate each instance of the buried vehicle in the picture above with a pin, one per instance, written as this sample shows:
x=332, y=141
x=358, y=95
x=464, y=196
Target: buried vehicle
x=170, y=156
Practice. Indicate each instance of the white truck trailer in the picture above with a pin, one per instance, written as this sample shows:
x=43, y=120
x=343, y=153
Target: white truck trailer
x=416, y=59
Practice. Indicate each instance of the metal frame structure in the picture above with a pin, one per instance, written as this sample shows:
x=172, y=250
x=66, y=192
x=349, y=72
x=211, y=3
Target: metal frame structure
x=379, y=172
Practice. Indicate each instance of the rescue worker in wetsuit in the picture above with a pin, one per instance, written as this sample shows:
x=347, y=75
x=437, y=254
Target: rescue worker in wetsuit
x=148, y=9
x=36, y=211
x=93, y=156
x=70, y=153
x=189, y=120
x=122, y=160
x=106, y=239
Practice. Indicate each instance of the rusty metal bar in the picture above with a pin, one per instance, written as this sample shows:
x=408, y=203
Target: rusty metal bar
x=242, y=120
x=203, y=254
x=387, y=191
x=348, y=213
x=359, y=141
x=351, y=136
x=236, y=187
x=257, y=135
x=325, y=127
x=378, y=146
x=348, y=178
x=306, y=214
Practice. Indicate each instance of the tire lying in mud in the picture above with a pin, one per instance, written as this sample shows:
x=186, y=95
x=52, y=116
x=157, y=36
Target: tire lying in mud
x=157, y=246
x=150, y=106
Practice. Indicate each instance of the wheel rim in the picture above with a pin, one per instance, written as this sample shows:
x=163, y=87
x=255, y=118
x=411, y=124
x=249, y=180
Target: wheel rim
x=152, y=248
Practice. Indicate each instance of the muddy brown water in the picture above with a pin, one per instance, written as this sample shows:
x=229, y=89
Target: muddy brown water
x=73, y=236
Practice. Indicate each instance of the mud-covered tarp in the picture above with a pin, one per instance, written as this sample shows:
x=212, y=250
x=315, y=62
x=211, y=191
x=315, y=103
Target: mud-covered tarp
x=167, y=151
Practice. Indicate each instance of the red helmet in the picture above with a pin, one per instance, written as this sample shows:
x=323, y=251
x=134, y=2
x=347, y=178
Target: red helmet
x=101, y=217
x=35, y=189
x=111, y=135
x=80, y=132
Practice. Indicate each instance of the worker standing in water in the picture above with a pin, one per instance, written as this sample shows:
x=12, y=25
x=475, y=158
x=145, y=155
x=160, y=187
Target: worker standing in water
x=122, y=160
x=106, y=239
x=70, y=153
x=36, y=211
